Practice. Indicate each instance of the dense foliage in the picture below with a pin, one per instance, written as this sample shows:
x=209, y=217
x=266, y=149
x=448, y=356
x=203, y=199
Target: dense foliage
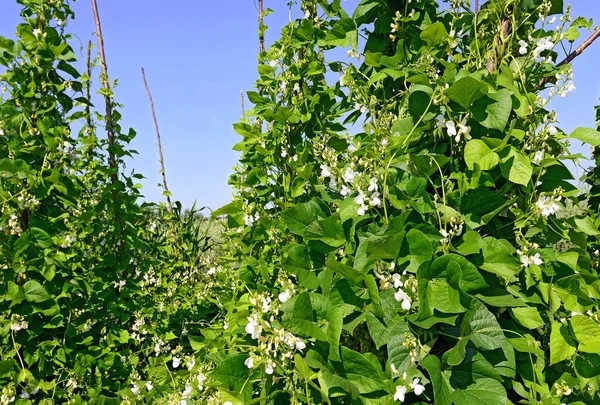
x=404, y=226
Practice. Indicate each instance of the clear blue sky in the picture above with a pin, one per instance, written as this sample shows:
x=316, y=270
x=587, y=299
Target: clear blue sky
x=198, y=55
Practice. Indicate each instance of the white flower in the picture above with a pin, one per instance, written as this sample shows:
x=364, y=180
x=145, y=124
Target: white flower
x=362, y=210
x=440, y=121
x=284, y=296
x=464, y=130
x=543, y=44
x=249, y=362
x=25, y=395
x=569, y=89
x=537, y=158
x=522, y=47
x=416, y=387
x=253, y=328
x=357, y=106
x=451, y=127
x=136, y=390
x=248, y=220
x=446, y=236
x=351, y=147
x=297, y=87
x=227, y=403
x=200, y=378
x=359, y=199
x=535, y=260
x=363, y=109
x=211, y=271
x=273, y=63
x=396, y=279
x=37, y=32
x=225, y=325
x=345, y=191
x=375, y=201
x=403, y=298
x=400, y=393
x=325, y=171
x=552, y=20
x=384, y=142
x=547, y=205
x=552, y=130
x=270, y=367
x=307, y=14
x=349, y=175
x=149, y=385
x=300, y=345
x=176, y=362
x=373, y=184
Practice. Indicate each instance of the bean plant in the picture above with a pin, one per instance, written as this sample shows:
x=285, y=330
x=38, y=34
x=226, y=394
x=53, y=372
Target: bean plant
x=404, y=226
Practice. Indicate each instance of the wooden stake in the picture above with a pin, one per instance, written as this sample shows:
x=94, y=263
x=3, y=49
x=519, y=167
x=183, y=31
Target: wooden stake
x=109, y=118
x=160, y=152
x=261, y=34
x=242, y=102
x=88, y=89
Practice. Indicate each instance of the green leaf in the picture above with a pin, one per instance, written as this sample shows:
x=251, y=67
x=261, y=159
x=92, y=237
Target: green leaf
x=476, y=151
x=14, y=167
x=465, y=91
x=364, y=10
x=300, y=216
x=529, y=317
x=516, y=167
x=498, y=259
x=444, y=298
x=441, y=388
x=471, y=280
x=482, y=327
x=587, y=333
x=232, y=372
x=383, y=247
x=587, y=226
x=494, y=110
x=456, y=355
x=329, y=231
x=35, y=292
x=299, y=263
x=485, y=391
x=416, y=249
x=361, y=372
x=342, y=33
x=350, y=273
x=434, y=34
x=586, y=135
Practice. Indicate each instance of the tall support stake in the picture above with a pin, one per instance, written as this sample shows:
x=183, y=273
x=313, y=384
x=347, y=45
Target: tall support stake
x=261, y=32
x=160, y=152
x=109, y=118
x=476, y=6
x=88, y=88
x=242, y=103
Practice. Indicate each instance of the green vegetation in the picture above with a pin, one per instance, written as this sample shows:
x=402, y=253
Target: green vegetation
x=440, y=254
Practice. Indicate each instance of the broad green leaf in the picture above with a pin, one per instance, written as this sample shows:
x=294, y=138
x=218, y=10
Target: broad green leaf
x=350, y=273
x=586, y=135
x=416, y=249
x=482, y=327
x=471, y=278
x=562, y=346
x=434, y=34
x=498, y=259
x=232, y=372
x=299, y=263
x=343, y=33
x=456, y=355
x=35, y=292
x=441, y=387
x=587, y=333
x=587, y=226
x=477, y=152
x=299, y=217
x=328, y=231
x=444, y=298
x=516, y=167
x=383, y=247
x=484, y=391
x=493, y=111
x=466, y=90
x=529, y=317
x=361, y=372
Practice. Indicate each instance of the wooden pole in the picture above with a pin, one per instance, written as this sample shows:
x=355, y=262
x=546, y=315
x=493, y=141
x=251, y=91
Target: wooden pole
x=160, y=152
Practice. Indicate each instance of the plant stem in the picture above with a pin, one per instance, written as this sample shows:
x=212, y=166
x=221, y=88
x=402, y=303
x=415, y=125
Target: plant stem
x=88, y=87
x=242, y=102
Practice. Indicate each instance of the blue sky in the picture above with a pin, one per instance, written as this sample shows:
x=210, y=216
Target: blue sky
x=198, y=56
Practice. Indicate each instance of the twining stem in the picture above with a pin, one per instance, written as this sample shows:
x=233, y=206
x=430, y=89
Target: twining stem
x=88, y=87
x=109, y=117
x=161, y=158
x=261, y=33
